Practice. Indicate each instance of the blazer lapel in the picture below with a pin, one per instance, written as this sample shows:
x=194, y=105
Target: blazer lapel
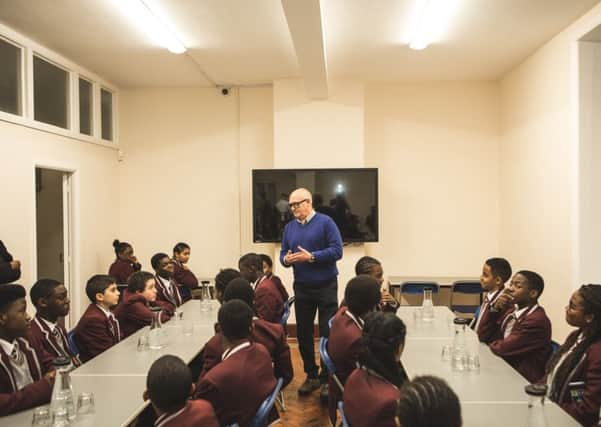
x=5, y=365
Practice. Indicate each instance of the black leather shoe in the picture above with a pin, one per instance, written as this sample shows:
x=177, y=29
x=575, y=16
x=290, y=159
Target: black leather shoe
x=324, y=393
x=310, y=385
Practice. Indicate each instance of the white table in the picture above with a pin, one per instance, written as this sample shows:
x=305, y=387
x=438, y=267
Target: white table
x=117, y=377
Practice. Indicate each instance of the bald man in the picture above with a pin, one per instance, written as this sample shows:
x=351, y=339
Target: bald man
x=311, y=245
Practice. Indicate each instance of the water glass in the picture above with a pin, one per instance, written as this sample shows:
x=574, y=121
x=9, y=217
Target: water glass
x=60, y=418
x=85, y=403
x=188, y=328
x=459, y=362
x=473, y=362
x=447, y=353
x=143, y=342
x=41, y=417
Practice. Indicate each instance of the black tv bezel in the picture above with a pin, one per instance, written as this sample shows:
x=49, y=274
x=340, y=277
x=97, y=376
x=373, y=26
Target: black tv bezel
x=376, y=170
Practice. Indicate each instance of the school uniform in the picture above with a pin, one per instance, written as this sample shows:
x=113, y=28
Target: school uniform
x=369, y=399
x=121, y=270
x=524, y=341
x=580, y=395
x=7, y=274
x=270, y=298
x=168, y=296
x=344, y=346
x=96, y=331
x=52, y=338
x=196, y=413
x=238, y=385
x=271, y=335
x=22, y=383
x=133, y=313
x=488, y=323
x=185, y=279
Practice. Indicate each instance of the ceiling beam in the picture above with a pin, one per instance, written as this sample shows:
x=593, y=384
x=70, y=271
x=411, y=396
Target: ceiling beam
x=306, y=29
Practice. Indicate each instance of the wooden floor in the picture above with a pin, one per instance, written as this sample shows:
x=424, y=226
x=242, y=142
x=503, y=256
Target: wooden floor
x=305, y=411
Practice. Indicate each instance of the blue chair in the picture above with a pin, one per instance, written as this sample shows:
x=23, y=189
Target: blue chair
x=325, y=356
x=260, y=418
x=466, y=287
x=72, y=343
x=417, y=288
x=342, y=416
x=554, y=346
x=331, y=321
x=286, y=313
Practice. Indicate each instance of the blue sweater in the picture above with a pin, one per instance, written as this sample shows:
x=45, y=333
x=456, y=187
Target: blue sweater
x=321, y=237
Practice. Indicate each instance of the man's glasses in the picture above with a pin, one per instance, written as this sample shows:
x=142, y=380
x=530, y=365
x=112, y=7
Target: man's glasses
x=294, y=205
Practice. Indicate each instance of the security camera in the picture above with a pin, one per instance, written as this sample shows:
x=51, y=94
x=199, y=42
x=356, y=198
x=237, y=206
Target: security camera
x=225, y=91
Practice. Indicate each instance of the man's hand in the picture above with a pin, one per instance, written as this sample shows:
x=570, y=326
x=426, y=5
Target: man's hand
x=386, y=298
x=50, y=376
x=15, y=265
x=133, y=259
x=302, y=255
x=504, y=301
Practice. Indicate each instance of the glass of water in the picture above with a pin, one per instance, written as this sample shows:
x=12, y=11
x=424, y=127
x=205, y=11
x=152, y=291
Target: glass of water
x=447, y=353
x=41, y=417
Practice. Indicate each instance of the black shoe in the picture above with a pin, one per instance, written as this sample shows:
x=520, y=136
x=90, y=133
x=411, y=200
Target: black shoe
x=310, y=385
x=324, y=393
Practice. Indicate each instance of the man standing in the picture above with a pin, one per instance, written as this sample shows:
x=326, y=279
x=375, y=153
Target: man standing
x=311, y=244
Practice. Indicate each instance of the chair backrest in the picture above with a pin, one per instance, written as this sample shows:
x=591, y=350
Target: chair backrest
x=325, y=356
x=418, y=287
x=467, y=287
x=285, y=314
x=342, y=416
x=261, y=417
x=331, y=321
x=554, y=346
x=72, y=343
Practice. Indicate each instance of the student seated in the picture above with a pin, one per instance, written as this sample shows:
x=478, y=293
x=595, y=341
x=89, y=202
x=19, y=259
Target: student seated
x=271, y=335
x=26, y=376
x=268, y=271
x=10, y=268
x=269, y=298
x=169, y=386
x=495, y=273
x=182, y=275
x=372, y=267
x=428, y=401
x=168, y=294
x=238, y=385
x=51, y=300
x=523, y=337
x=222, y=279
x=98, y=329
x=133, y=312
x=574, y=371
x=362, y=295
x=371, y=392
x=125, y=264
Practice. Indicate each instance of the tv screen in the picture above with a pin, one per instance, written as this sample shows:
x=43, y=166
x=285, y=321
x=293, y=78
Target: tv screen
x=348, y=196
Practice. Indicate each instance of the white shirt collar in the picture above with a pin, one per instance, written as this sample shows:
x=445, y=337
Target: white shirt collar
x=227, y=353
x=309, y=218
x=520, y=312
x=48, y=323
x=492, y=296
x=7, y=346
x=358, y=321
x=106, y=312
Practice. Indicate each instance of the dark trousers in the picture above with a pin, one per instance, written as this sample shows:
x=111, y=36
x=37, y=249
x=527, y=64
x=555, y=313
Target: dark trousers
x=311, y=298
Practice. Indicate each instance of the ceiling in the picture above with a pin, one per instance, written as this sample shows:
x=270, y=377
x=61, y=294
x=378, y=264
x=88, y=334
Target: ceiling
x=251, y=42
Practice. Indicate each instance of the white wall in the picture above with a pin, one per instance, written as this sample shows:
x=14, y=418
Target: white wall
x=95, y=198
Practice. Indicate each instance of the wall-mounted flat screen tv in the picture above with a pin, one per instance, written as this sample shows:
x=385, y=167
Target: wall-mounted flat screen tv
x=348, y=196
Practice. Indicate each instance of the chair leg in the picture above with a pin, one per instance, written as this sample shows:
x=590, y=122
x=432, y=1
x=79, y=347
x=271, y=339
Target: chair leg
x=279, y=400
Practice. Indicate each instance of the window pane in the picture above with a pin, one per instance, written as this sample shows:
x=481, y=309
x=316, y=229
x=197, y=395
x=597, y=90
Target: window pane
x=106, y=114
x=10, y=78
x=50, y=93
x=85, y=107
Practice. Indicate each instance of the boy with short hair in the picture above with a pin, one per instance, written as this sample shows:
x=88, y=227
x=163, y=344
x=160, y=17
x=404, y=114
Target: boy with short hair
x=238, y=385
x=168, y=386
x=51, y=300
x=495, y=273
x=523, y=338
x=168, y=295
x=98, y=329
x=271, y=335
x=269, y=298
x=222, y=279
x=26, y=377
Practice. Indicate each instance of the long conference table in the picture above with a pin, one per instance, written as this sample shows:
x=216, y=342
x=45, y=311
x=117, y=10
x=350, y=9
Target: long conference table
x=493, y=396
x=117, y=377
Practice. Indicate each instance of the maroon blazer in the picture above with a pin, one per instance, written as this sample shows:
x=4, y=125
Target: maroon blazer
x=171, y=300
x=238, y=385
x=133, y=313
x=121, y=270
x=271, y=335
x=588, y=370
x=528, y=346
x=370, y=400
x=270, y=297
x=94, y=333
x=196, y=413
x=185, y=278
x=40, y=337
x=35, y=394
x=490, y=322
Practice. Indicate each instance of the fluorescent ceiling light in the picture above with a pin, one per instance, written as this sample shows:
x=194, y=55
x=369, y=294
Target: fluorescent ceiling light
x=140, y=12
x=430, y=20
